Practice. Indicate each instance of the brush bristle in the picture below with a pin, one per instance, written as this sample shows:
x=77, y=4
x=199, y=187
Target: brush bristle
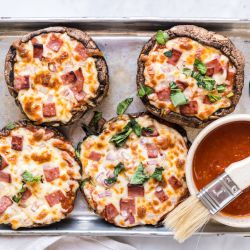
x=187, y=218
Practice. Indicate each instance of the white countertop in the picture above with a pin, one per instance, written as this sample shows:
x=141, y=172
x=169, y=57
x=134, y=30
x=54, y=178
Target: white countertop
x=155, y=8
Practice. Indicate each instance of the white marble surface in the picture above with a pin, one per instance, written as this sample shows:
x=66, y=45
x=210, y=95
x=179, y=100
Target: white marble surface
x=157, y=8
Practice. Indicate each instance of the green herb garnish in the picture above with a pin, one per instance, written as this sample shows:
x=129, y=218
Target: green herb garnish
x=29, y=177
x=94, y=123
x=200, y=66
x=168, y=53
x=148, y=130
x=78, y=150
x=144, y=90
x=221, y=88
x=123, y=106
x=213, y=98
x=88, y=131
x=120, y=138
x=187, y=71
x=176, y=96
x=84, y=181
x=230, y=94
x=161, y=37
x=10, y=126
x=157, y=174
x=136, y=127
x=197, y=76
x=139, y=177
x=118, y=169
x=19, y=196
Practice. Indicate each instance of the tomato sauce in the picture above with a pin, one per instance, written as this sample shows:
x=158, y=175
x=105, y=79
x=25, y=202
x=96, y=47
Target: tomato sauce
x=223, y=146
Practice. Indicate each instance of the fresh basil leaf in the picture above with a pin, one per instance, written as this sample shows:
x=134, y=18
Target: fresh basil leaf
x=144, y=90
x=10, y=126
x=221, y=88
x=213, y=98
x=123, y=106
x=139, y=177
x=230, y=94
x=168, y=53
x=161, y=37
x=208, y=83
x=148, y=130
x=157, y=174
x=78, y=150
x=120, y=138
x=200, y=66
x=136, y=127
x=176, y=96
x=197, y=76
x=173, y=87
x=16, y=198
x=94, y=123
x=178, y=99
x=88, y=131
x=187, y=71
x=117, y=170
x=29, y=177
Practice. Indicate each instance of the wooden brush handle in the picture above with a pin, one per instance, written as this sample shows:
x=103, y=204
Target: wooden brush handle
x=240, y=173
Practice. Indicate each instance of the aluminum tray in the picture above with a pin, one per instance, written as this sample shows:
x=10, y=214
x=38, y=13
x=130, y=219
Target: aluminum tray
x=121, y=40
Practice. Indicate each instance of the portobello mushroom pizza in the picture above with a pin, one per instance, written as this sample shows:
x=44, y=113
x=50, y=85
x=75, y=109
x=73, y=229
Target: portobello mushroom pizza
x=56, y=74
x=190, y=76
x=133, y=171
x=38, y=176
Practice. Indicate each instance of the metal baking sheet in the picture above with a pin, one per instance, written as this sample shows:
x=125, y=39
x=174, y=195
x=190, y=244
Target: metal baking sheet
x=121, y=41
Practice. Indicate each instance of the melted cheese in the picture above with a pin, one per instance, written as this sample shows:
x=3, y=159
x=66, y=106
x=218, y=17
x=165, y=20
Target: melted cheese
x=60, y=94
x=149, y=209
x=159, y=74
x=36, y=209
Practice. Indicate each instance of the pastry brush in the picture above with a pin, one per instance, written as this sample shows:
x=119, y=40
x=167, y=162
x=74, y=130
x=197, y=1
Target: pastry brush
x=195, y=211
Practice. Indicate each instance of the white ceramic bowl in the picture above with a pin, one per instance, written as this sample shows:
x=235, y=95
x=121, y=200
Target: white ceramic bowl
x=243, y=221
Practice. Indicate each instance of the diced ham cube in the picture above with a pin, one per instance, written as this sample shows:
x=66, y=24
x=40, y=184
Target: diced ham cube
x=79, y=76
x=51, y=173
x=164, y=94
x=69, y=78
x=94, y=156
x=214, y=67
x=3, y=163
x=130, y=218
x=21, y=82
x=152, y=132
x=110, y=212
x=37, y=50
x=189, y=109
x=161, y=195
x=127, y=205
x=81, y=50
x=152, y=150
x=55, y=198
x=176, y=54
x=5, y=177
x=135, y=190
x=55, y=43
x=174, y=182
x=230, y=76
x=49, y=109
x=26, y=195
x=182, y=85
x=17, y=143
x=5, y=202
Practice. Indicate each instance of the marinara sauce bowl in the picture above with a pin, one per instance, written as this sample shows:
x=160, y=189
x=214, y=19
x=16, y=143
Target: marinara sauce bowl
x=237, y=214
